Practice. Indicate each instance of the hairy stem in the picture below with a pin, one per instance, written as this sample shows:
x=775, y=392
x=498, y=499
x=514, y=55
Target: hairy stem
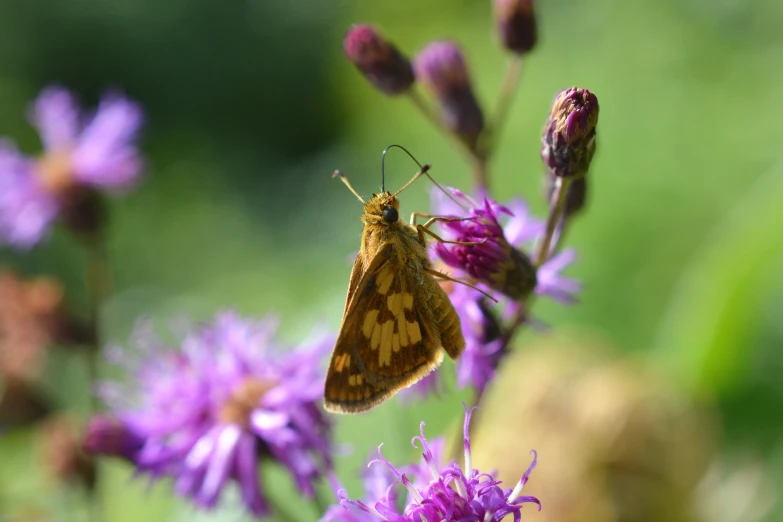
x=503, y=108
x=98, y=281
x=477, y=162
x=556, y=208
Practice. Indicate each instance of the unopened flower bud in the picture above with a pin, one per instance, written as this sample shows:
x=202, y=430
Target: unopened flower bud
x=381, y=63
x=441, y=67
x=568, y=142
x=106, y=435
x=516, y=24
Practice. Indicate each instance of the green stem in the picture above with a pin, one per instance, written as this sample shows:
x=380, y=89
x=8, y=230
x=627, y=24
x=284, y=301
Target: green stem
x=478, y=163
x=556, y=208
x=97, y=280
x=503, y=108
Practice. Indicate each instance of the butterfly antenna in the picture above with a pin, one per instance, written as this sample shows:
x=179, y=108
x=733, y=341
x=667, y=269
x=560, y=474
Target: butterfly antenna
x=423, y=171
x=338, y=174
x=383, y=164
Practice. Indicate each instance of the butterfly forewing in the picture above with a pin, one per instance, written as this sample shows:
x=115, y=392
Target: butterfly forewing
x=390, y=338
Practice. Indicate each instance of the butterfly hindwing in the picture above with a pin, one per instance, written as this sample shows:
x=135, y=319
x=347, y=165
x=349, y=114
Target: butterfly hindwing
x=388, y=339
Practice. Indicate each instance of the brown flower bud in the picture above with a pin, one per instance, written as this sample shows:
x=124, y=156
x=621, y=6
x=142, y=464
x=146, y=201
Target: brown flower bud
x=381, y=63
x=568, y=142
x=31, y=318
x=516, y=24
x=441, y=68
x=61, y=455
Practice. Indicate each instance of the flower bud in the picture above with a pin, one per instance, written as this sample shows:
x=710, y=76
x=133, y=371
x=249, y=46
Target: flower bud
x=381, y=63
x=441, y=67
x=568, y=142
x=108, y=436
x=516, y=24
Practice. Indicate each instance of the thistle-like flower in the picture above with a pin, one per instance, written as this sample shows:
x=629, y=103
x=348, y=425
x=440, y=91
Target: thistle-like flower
x=490, y=259
x=483, y=323
x=440, y=492
x=379, y=60
x=80, y=155
x=516, y=21
x=210, y=410
x=568, y=142
x=441, y=68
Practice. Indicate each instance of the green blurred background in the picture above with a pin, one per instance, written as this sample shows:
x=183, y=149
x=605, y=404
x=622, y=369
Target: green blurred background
x=251, y=106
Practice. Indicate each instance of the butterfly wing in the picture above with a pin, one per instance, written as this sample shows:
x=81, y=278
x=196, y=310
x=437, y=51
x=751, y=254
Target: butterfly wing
x=391, y=335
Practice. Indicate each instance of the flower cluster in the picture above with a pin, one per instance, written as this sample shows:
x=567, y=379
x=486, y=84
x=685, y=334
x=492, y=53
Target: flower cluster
x=81, y=155
x=208, y=410
x=505, y=254
x=448, y=493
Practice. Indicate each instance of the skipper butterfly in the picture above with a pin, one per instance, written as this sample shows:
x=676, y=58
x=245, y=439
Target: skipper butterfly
x=397, y=321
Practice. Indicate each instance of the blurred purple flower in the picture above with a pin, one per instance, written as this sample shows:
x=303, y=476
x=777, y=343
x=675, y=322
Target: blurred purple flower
x=211, y=408
x=440, y=492
x=96, y=152
x=378, y=484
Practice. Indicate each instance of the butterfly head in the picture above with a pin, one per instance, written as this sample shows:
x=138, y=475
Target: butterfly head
x=383, y=208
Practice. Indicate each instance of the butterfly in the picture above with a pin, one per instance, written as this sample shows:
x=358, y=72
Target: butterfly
x=398, y=321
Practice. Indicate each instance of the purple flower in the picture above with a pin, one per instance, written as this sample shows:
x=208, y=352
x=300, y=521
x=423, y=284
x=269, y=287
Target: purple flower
x=80, y=153
x=489, y=262
x=448, y=493
x=491, y=259
x=481, y=322
x=209, y=409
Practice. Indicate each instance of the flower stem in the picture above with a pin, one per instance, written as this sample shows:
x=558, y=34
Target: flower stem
x=556, y=208
x=97, y=280
x=478, y=162
x=505, y=99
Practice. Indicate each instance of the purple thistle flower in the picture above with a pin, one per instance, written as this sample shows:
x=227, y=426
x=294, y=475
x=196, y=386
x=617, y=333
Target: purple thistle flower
x=80, y=154
x=482, y=323
x=211, y=408
x=448, y=493
x=491, y=259
x=519, y=231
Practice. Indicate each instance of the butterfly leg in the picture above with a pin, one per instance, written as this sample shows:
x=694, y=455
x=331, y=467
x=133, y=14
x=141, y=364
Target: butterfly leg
x=424, y=230
x=447, y=277
x=433, y=219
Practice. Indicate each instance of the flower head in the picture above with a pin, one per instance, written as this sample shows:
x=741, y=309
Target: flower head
x=207, y=411
x=80, y=155
x=441, y=68
x=568, y=143
x=490, y=259
x=379, y=60
x=482, y=322
x=441, y=492
x=516, y=21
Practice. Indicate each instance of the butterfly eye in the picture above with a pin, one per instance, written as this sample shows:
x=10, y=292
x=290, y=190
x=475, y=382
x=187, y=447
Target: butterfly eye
x=390, y=214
